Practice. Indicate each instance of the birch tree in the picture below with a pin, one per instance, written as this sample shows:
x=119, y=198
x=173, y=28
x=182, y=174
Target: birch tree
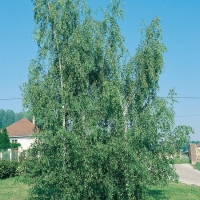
x=104, y=130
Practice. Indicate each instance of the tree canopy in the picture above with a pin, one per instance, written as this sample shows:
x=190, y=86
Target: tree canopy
x=8, y=117
x=104, y=130
x=4, y=140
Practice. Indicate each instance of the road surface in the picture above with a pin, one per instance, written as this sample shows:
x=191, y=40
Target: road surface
x=187, y=174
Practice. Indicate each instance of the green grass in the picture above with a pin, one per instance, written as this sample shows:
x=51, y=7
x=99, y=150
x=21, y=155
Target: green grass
x=177, y=191
x=184, y=159
x=197, y=166
x=10, y=189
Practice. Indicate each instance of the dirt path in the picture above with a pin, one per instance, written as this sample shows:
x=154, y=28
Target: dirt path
x=187, y=174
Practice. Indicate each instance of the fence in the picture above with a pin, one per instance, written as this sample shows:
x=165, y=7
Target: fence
x=9, y=154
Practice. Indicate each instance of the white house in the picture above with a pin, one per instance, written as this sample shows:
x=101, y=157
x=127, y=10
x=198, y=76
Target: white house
x=21, y=132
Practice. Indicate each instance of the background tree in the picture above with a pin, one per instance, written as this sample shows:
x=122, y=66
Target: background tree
x=19, y=116
x=8, y=117
x=104, y=130
x=2, y=113
x=4, y=140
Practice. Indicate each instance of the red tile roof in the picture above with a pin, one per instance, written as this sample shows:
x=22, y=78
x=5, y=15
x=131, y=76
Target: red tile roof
x=21, y=128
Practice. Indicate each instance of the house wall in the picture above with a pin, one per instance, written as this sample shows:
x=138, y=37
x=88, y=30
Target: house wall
x=24, y=141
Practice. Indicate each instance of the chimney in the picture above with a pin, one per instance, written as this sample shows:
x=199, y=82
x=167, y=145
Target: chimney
x=33, y=121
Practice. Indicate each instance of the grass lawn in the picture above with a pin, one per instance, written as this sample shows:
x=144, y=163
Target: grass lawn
x=197, y=166
x=177, y=191
x=10, y=189
x=184, y=159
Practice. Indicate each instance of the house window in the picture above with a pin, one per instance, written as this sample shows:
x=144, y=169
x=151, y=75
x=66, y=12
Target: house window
x=14, y=141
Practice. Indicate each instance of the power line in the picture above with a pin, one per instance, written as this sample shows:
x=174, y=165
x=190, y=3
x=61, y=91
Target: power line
x=182, y=97
x=10, y=99
x=187, y=115
x=17, y=98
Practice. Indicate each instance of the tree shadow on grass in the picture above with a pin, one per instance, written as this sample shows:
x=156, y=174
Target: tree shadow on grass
x=158, y=194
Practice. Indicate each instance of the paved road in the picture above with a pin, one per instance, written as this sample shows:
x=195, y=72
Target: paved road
x=187, y=174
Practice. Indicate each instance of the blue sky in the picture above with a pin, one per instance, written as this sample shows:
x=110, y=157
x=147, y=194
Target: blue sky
x=180, y=22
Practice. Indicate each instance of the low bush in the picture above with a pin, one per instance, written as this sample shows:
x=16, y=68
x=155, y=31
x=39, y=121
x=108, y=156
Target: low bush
x=15, y=145
x=8, y=168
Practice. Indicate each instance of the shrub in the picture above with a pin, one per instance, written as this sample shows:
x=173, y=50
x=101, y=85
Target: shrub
x=94, y=167
x=23, y=156
x=8, y=168
x=15, y=145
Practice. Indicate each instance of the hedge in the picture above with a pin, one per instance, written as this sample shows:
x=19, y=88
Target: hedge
x=8, y=168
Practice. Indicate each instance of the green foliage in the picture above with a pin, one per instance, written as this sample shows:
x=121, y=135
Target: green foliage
x=14, y=145
x=95, y=168
x=186, y=145
x=8, y=117
x=104, y=130
x=8, y=168
x=4, y=139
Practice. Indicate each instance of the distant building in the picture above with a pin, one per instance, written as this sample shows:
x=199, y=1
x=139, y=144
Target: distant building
x=21, y=132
